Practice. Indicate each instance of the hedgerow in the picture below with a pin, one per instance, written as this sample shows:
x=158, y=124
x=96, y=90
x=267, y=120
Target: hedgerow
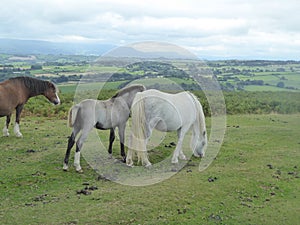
x=236, y=103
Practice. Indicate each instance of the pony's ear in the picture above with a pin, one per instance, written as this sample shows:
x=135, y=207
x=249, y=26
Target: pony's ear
x=51, y=85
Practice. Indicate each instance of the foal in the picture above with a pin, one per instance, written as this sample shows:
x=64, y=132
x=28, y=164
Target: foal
x=103, y=115
x=15, y=92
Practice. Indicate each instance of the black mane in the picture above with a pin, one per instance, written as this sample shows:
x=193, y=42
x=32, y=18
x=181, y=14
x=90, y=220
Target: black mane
x=36, y=86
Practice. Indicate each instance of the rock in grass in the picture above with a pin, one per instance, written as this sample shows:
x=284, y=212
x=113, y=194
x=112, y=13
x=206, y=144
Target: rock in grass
x=173, y=143
x=212, y=179
x=84, y=192
x=270, y=166
x=30, y=151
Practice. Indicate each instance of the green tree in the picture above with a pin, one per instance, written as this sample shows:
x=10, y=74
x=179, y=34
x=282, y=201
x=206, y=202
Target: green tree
x=280, y=84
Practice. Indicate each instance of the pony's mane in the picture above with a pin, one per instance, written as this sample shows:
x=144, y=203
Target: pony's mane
x=129, y=89
x=35, y=85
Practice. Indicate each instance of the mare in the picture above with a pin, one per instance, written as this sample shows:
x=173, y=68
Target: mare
x=15, y=92
x=103, y=115
x=166, y=112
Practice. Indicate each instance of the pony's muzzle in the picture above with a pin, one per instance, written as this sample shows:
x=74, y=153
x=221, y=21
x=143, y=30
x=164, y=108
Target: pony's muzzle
x=56, y=101
x=199, y=155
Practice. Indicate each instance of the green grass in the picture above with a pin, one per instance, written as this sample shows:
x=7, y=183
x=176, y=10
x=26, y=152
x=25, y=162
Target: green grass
x=68, y=70
x=71, y=87
x=256, y=180
x=264, y=88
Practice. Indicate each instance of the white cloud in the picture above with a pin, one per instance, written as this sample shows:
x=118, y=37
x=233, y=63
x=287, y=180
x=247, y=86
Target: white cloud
x=230, y=28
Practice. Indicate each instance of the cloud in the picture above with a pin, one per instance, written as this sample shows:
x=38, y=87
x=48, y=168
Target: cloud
x=230, y=28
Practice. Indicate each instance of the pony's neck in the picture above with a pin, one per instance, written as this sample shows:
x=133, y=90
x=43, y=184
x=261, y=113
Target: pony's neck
x=131, y=98
x=38, y=88
x=128, y=98
x=33, y=93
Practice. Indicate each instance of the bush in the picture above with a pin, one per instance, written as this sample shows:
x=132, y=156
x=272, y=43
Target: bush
x=236, y=103
x=262, y=102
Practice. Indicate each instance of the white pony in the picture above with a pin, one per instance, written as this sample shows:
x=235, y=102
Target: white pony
x=166, y=112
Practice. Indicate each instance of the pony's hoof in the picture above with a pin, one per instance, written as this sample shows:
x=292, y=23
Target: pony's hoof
x=65, y=168
x=174, y=169
x=5, y=134
x=19, y=135
x=183, y=157
x=174, y=161
x=129, y=164
x=79, y=171
x=148, y=166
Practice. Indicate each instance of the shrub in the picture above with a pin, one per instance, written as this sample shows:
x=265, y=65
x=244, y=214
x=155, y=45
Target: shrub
x=236, y=103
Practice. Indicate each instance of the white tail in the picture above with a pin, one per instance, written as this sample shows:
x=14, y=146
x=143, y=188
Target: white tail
x=138, y=137
x=73, y=114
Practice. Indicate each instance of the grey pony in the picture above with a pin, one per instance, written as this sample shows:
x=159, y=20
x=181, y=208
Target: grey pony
x=103, y=115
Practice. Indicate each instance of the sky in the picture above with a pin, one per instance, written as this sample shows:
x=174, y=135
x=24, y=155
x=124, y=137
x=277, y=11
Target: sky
x=212, y=29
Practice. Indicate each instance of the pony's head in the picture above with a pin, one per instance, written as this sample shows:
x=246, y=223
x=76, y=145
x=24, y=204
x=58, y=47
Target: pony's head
x=51, y=93
x=200, y=147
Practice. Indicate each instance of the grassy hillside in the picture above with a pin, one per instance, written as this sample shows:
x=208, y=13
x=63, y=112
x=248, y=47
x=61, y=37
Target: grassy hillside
x=253, y=180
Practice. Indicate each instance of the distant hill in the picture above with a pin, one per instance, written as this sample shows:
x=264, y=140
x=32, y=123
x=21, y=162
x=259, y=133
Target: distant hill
x=151, y=50
x=137, y=50
x=25, y=47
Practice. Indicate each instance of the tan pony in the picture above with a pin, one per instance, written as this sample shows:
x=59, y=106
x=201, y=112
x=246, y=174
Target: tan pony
x=15, y=92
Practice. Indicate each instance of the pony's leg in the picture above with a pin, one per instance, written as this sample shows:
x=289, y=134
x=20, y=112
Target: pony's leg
x=71, y=143
x=111, y=141
x=130, y=152
x=79, y=144
x=5, y=129
x=129, y=158
x=181, y=135
x=121, y=135
x=77, y=159
x=17, y=124
x=143, y=155
x=178, y=150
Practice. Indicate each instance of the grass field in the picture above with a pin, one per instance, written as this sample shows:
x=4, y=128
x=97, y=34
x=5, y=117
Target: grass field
x=262, y=88
x=71, y=87
x=253, y=180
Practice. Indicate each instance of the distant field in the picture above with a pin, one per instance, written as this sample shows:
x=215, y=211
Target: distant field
x=262, y=88
x=71, y=88
x=232, y=74
x=237, y=75
x=114, y=85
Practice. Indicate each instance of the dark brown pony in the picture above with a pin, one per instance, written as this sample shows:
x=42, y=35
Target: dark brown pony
x=15, y=92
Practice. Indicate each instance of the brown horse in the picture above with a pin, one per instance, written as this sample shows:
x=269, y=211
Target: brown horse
x=15, y=92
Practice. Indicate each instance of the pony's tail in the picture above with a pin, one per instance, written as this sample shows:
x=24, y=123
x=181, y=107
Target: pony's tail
x=138, y=136
x=72, y=115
